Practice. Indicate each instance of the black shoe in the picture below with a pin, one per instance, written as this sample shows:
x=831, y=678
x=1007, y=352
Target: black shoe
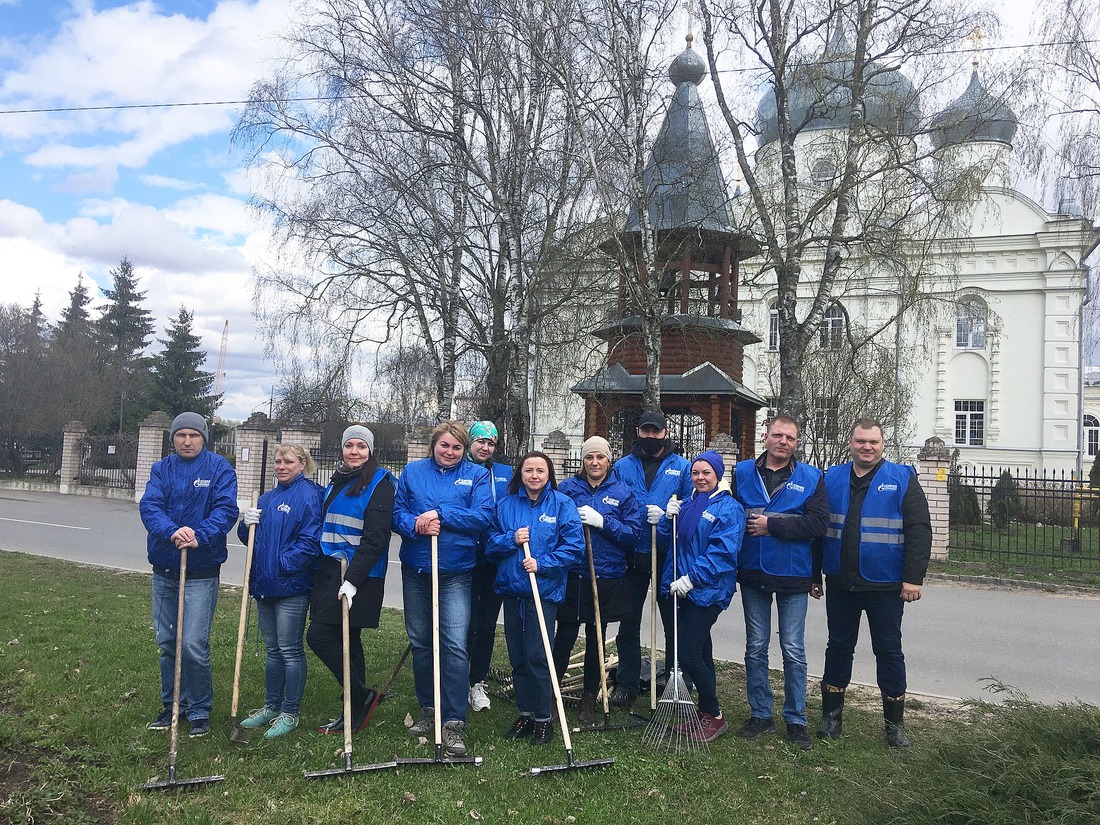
x=623, y=698
x=588, y=709
x=796, y=735
x=542, y=733
x=333, y=726
x=523, y=726
x=198, y=727
x=162, y=722
x=832, y=712
x=756, y=727
x=362, y=715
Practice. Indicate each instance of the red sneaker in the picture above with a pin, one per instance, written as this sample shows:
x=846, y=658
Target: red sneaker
x=711, y=727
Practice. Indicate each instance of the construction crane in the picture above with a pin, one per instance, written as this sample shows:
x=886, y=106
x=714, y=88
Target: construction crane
x=219, y=376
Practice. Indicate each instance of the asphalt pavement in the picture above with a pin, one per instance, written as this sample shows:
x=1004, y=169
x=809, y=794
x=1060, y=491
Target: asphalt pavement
x=1043, y=644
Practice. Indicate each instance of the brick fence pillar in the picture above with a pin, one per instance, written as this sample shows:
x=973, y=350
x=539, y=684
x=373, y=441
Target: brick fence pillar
x=933, y=465
x=419, y=444
x=150, y=448
x=557, y=445
x=251, y=436
x=298, y=433
x=72, y=455
x=725, y=446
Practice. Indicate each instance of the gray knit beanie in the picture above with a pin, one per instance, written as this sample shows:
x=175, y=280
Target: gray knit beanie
x=358, y=431
x=190, y=421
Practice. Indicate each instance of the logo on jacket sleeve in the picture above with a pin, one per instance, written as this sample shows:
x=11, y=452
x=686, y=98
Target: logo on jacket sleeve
x=798, y=488
x=611, y=502
x=887, y=488
x=202, y=482
x=548, y=519
x=464, y=482
x=283, y=508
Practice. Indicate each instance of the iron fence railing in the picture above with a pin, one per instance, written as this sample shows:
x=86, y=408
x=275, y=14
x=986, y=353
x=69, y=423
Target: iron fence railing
x=31, y=458
x=1022, y=519
x=109, y=461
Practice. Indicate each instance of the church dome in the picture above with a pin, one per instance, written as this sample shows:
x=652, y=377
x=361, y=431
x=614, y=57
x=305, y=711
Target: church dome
x=820, y=96
x=975, y=116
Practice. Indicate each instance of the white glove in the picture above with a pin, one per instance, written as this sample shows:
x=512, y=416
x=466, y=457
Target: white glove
x=348, y=591
x=681, y=587
x=653, y=513
x=590, y=517
x=673, y=508
x=252, y=516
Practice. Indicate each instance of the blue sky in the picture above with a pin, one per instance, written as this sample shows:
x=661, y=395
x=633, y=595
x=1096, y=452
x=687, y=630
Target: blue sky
x=79, y=190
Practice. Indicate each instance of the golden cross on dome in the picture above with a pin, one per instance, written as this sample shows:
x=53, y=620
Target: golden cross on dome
x=976, y=44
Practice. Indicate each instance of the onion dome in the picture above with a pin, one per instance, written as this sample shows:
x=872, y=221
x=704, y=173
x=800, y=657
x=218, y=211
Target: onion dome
x=975, y=116
x=819, y=96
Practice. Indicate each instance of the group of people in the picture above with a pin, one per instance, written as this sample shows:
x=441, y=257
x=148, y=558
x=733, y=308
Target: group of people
x=478, y=536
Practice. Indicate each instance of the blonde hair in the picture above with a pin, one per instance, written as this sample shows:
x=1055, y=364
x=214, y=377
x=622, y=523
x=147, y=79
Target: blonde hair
x=455, y=429
x=300, y=453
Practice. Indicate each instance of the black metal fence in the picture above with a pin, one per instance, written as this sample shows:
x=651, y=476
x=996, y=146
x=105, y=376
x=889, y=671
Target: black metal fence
x=109, y=461
x=1012, y=518
x=31, y=458
x=393, y=458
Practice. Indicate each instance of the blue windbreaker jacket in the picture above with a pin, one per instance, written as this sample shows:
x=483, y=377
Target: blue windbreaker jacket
x=200, y=493
x=288, y=539
x=710, y=559
x=623, y=520
x=557, y=543
x=673, y=479
x=461, y=496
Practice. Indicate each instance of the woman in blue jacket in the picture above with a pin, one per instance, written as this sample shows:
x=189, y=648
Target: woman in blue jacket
x=285, y=548
x=446, y=496
x=614, y=518
x=533, y=512
x=358, y=508
x=709, y=532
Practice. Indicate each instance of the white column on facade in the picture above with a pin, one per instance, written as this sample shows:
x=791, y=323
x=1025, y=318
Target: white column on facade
x=943, y=353
x=993, y=424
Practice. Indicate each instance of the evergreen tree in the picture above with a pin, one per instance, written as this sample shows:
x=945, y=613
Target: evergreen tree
x=76, y=322
x=179, y=383
x=123, y=332
x=74, y=355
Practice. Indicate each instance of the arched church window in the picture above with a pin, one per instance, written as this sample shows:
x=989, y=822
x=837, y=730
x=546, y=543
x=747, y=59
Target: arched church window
x=970, y=324
x=831, y=331
x=1092, y=435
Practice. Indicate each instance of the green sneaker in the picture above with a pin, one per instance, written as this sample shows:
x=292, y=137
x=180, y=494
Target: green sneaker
x=259, y=718
x=284, y=723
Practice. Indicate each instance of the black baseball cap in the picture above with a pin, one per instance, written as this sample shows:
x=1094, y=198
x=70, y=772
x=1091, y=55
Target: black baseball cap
x=652, y=419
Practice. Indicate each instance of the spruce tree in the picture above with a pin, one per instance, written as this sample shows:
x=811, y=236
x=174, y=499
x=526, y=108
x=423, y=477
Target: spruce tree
x=179, y=383
x=123, y=331
x=75, y=354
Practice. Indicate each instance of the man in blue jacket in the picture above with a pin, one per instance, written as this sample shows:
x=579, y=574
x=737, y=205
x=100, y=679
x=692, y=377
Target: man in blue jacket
x=654, y=473
x=787, y=508
x=190, y=502
x=876, y=553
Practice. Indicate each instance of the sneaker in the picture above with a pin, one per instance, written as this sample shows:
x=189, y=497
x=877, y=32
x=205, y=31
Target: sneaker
x=333, y=726
x=451, y=736
x=479, y=696
x=198, y=727
x=756, y=727
x=796, y=735
x=259, y=718
x=711, y=727
x=425, y=725
x=162, y=722
x=523, y=726
x=623, y=698
x=542, y=732
x=284, y=723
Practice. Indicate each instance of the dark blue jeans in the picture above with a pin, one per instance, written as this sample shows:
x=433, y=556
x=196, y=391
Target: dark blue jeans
x=884, y=609
x=527, y=654
x=696, y=652
x=454, y=627
x=200, y=597
x=484, y=613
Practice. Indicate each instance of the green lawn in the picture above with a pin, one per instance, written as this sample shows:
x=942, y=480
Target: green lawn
x=1025, y=550
x=78, y=682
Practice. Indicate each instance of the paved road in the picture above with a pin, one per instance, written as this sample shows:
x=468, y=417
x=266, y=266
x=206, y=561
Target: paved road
x=1045, y=645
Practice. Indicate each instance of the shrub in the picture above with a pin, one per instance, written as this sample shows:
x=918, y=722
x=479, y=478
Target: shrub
x=963, y=506
x=1004, y=501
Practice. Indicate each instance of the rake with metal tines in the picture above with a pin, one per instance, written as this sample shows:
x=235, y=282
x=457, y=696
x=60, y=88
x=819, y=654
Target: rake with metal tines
x=675, y=723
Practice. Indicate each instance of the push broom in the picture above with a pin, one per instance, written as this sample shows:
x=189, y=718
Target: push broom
x=571, y=762
x=174, y=738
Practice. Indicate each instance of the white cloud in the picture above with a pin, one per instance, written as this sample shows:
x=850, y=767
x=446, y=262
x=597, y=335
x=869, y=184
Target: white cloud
x=165, y=182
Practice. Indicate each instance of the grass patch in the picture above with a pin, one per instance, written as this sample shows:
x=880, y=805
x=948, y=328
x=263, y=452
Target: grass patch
x=78, y=682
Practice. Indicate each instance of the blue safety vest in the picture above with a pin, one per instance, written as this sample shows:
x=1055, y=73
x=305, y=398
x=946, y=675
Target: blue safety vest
x=881, y=533
x=343, y=526
x=771, y=555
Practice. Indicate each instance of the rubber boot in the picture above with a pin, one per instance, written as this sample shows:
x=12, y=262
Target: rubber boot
x=832, y=710
x=588, y=709
x=893, y=711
